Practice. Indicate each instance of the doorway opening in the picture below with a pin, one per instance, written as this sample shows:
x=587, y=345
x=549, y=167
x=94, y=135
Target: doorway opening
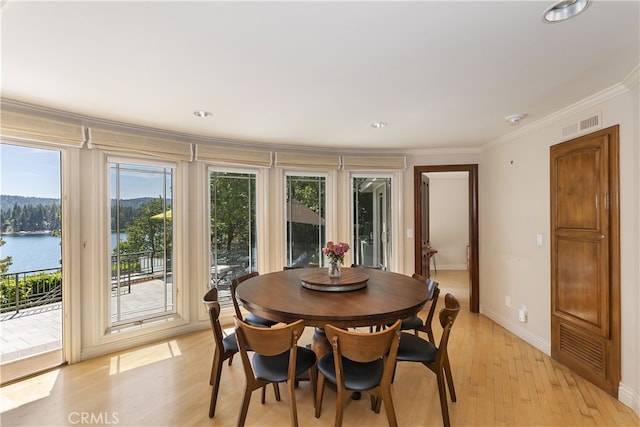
x=30, y=261
x=421, y=207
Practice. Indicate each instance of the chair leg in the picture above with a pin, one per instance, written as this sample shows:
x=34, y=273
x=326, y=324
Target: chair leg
x=339, y=406
x=216, y=372
x=432, y=339
x=447, y=371
x=216, y=361
x=276, y=390
x=375, y=403
x=245, y=406
x=230, y=359
x=313, y=379
x=292, y=399
x=319, y=394
x=388, y=407
x=444, y=407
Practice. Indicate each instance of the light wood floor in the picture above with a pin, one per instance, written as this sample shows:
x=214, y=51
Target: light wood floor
x=500, y=381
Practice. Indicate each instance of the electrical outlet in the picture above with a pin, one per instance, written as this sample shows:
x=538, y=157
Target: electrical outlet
x=507, y=301
x=522, y=313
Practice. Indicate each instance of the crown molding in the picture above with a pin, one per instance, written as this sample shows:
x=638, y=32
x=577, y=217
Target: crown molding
x=594, y=100
x=444, y=151
x=633, y=78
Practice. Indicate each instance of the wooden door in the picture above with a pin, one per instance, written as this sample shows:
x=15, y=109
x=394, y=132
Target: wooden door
x=585, y=286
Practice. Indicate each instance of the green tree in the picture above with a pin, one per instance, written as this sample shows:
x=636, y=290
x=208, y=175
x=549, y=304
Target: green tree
x=6, y=262
x=146, y=233
x=232, y=197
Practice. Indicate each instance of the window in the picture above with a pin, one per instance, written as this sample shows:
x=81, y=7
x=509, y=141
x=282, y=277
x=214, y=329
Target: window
x=233, y=227
x=371, y=221
x=141, y=285
x=305, y=213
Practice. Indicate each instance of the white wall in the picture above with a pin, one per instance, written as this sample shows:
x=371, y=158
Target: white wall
x=449, y=218
x=514, y=209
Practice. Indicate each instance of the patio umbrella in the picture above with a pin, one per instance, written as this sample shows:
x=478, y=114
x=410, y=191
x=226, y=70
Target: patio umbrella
x=300, y=213
x=164, y=215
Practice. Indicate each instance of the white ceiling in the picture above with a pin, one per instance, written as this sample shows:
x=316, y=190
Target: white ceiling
x=315, y=74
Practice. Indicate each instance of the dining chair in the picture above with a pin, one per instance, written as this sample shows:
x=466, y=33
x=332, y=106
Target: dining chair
x=250, y=318
x=360, y=362
x=225, y=346
x=415, y=323
x=413, y=348
x=277, y=358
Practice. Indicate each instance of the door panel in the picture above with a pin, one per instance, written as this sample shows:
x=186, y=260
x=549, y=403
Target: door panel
x=579, y=181
x=583, y=297
x=585, y=302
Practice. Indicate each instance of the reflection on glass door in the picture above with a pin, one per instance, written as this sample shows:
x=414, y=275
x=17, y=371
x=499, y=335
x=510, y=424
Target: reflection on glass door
x=372, y=213
x=233, y=229
x=305, y=227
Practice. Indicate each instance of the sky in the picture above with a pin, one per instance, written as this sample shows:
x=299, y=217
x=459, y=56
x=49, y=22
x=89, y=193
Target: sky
x=35, y=172
x=29, y=171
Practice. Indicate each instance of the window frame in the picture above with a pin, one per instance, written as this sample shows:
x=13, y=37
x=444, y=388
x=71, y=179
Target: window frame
x=112, y=332
x=329, y=197
x=394, y=222
x=259, y=214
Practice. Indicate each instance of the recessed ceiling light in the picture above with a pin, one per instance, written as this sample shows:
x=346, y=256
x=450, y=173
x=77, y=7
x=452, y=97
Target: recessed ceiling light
x=202, y=113
x=564, y=9
x=379, y=125
x=515, y=119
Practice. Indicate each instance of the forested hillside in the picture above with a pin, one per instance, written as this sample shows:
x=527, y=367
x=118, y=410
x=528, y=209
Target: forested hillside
x=7, y=201
x=30, y=214
x=36, y=214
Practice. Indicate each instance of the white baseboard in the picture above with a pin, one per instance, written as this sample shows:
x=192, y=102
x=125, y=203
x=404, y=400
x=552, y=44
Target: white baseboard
x=629, y=397
x=450, y=266
x=514, y=327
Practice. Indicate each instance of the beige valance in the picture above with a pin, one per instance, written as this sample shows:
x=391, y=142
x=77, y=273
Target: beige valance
x=29, y=127
x=120, y=142
x=233, y=155
x=307, y=161
x=374, y=163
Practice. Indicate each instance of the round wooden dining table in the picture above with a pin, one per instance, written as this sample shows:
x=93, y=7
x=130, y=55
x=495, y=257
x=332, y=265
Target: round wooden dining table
x=280, y=296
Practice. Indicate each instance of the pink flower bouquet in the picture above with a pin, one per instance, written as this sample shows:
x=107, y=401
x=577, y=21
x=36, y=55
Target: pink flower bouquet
x=335, y=252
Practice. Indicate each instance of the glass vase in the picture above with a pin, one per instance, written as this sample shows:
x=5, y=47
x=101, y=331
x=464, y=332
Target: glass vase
x=334, y=270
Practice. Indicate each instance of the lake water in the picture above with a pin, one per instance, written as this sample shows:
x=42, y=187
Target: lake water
x=34, y=251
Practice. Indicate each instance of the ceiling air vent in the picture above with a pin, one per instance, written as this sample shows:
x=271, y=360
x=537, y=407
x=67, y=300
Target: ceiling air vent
x=583, y=126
